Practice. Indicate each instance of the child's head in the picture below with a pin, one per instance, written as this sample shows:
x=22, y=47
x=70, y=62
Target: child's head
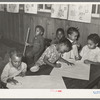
x=64, y=46
x=39, y=30
x=73, y=33
x=15, y=58
x=60, y=33
x=93, y=41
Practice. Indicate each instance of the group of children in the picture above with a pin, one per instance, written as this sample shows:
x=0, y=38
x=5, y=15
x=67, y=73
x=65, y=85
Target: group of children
x=60, y=49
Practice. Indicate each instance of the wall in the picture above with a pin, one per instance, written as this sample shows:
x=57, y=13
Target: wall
x=14, y=26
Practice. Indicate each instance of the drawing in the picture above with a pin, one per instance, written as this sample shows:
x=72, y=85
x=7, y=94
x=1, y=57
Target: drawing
x=1, y=7
x=30, y=8
x=59, y=11
x=80, y=12
x=14, y=8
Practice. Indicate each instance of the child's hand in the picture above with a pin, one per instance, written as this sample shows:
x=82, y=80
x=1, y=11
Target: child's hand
x=22, y=74
x=58, y=65
x=69, y=63
x=27, y=44
x=87, y=61
x=13, y=81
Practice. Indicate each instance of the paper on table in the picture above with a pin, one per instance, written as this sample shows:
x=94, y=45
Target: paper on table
x=38, y=82
x=77, y=71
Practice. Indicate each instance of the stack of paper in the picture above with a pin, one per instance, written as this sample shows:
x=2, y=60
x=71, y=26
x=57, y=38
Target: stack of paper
x=38, y=82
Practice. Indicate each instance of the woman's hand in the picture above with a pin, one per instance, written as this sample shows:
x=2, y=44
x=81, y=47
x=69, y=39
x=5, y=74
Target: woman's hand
x=69, y=63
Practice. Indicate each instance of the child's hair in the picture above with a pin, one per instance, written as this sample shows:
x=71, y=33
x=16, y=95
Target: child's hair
x=60, y=29
x=40, y=27
x=66, y=42
x=73, y=29
x=15, y=52
x=95, y=38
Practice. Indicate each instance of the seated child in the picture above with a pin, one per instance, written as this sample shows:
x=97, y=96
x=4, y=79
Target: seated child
x=90, y=53
x=13, y=68
x=72, y=36
x=52, y=54
x=59, y=35
x=38, y=45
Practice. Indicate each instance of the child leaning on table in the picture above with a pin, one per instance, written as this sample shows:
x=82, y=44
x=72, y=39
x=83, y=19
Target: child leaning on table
x=13, y=68
x=90, y=53
x=52, y=54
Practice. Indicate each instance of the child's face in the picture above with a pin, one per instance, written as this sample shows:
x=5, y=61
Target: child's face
x=63, y=48
x=73, y=36
x=37, y=31
x=59, y=35
x=16, y=61
x=91, y=44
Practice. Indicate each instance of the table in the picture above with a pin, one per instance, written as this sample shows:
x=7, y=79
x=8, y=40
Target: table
x=73, y=83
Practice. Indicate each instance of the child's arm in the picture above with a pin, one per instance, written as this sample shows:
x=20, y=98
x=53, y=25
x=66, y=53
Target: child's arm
x=12, y=80
x=24, y=70
x=65, y=61
x=91, y=62
x=51, y=64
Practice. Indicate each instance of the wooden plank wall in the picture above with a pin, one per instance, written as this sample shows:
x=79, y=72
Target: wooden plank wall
x=14, y=26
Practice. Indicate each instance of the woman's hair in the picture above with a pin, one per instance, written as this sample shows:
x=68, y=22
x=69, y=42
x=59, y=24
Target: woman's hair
x=66, y=42
x=73, y=29
x=40, y=27
x=95, y=38
x=15, y=52
x=61, y=30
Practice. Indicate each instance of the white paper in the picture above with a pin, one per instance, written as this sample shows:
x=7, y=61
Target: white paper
x=59, y=11
x=77, y=71
x=80, y=12
x=14, y=8
x=30, y=8
x=38, y=82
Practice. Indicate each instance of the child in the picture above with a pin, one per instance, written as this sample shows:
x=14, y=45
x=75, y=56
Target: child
x=72, y=36
x=90, y=53
x=13, y=68
x=38, y=45
x=59, y=35
x=52, y=54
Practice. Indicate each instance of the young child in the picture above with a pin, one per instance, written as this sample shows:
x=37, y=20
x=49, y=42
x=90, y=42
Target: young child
x=72, y=36
x=52, y=54
x=90, y=53
x=38, y=45
x=59, y=35
x=13, y=68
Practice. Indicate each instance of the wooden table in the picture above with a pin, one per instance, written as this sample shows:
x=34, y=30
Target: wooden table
x=73, y=83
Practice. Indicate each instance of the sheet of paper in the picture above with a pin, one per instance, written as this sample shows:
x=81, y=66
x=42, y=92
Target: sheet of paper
x=30, y=8
x=14, y=8
x=38, y=82
x=80, y=12
x=59, y=11
x=77, y=71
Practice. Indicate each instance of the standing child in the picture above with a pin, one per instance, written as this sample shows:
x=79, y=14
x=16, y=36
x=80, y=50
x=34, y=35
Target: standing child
x=72, y=36
x=14, y=67
x=59, y=36
x=52, y=54
x=38, y=45
x=90, y=53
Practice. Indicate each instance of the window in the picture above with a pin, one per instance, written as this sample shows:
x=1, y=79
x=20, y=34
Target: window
x=44, y=7
x=96, y=10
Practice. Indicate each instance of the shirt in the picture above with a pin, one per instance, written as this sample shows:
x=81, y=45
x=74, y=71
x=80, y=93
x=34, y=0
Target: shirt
x=9, y=71
x=90, y=54
x=71, y=54
x=52, y=54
